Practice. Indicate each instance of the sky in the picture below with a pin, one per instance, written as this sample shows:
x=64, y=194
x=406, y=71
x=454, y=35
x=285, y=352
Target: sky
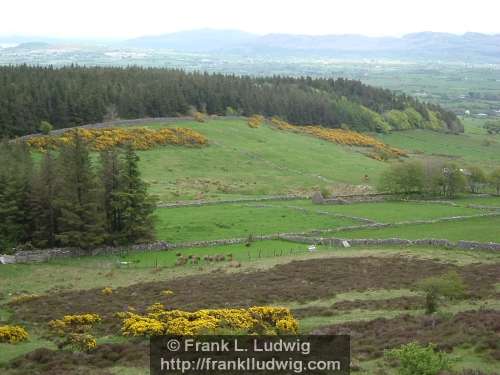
x=113, y=19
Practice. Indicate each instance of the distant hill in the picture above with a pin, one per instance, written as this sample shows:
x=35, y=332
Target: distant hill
x=467, y=48
x=195, y=40
x=424, y=45
x=32, y=45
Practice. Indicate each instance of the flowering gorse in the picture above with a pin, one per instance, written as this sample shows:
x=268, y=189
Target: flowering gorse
x=255, y=320
x=73, y=331
x=13, y=334
x=107, y=138
x=255, y=121
x=343, y=137
x=107, y=291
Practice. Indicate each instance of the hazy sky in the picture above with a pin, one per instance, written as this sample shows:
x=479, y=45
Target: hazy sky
x=127, y=18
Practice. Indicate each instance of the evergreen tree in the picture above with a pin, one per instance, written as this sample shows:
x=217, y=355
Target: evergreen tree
x=110, y=175
x=15, y=192
x=81, y=222
x=44, y=207
x=136, y=206
x=74, y=95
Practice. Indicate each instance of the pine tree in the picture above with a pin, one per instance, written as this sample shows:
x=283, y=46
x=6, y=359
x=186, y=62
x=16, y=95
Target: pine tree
x=134, y=202
x=110, y=176
x=15, y=190
x=81, y=223
x=43, y=200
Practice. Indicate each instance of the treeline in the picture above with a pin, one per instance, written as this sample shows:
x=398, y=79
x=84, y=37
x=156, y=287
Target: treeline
x=66, y=199
x=437, y=179
x=74, y=96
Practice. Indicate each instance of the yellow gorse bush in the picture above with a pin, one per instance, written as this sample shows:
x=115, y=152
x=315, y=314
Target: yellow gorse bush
x=73, y=330
x=343, y=137
x=107, y=291
x=158, y=322
x=106, y=138
x=13, y=334
x=82, y=342
x=167, y=293
x=255, y=121
x=71, y=323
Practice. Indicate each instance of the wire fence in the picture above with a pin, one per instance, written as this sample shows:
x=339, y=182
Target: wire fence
x=130, y=260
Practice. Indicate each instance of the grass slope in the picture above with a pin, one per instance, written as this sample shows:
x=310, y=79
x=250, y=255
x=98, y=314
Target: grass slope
x=243, y=161
x=484, y=229
x=389, y=212
x=473, y=147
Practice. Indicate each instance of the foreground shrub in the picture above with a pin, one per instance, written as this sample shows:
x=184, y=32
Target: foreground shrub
x=415, y=359
x=74, y=331
x=255, y=320
x=449, y=286
x=108, y=138
x=13, y=334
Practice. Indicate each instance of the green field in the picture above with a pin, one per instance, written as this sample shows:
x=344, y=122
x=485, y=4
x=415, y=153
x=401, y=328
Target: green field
x=241, y=161
x=480, y=201
x=233, y=220
x=388, y=212
x=485, y=229
x=473, y=147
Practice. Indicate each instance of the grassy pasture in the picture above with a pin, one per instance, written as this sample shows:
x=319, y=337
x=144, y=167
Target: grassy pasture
x=237, y=220
x=479, y=201
x=388, y=212
x=484, y=229
x=241, y=220
x=241, y=161
x=473, y=147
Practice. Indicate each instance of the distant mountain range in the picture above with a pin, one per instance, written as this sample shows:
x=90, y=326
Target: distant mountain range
x=424, y=45
x=469, y=47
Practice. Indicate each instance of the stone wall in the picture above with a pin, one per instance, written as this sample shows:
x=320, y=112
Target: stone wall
x=37, y=256
x=341, y=242
x=392, y=225
x=236, y=200
x=51, y=254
